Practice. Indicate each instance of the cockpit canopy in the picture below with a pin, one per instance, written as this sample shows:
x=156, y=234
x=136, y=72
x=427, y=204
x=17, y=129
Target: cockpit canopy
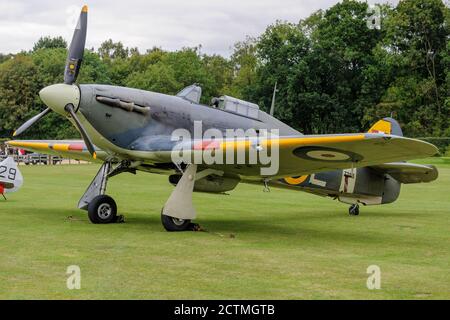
x=192, y=93
x=236, y=106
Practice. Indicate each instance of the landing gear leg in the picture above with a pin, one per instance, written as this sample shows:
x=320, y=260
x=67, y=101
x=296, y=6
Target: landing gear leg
x=353, y=210
x=101, y=208
x=178, y=211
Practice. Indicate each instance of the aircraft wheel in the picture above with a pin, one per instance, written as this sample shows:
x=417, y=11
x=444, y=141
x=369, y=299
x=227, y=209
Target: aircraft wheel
x=353, y=210
x=102, y=209
x=175, y=224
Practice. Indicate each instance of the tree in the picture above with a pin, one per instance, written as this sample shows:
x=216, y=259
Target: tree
x=341, y=57
x=244, y=63
x=281, y=51
x=416, y=43
x=110, y=50
x=19, y=85
x=157, y=77
x=4, y=57
x=220, y=72
x=320, y=66
x=50, y=43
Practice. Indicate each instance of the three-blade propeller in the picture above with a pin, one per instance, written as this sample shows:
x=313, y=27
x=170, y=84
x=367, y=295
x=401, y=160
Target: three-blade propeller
x=72, y=68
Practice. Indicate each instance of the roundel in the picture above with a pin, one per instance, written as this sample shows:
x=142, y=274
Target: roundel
x=295, y=180
x=327, y=154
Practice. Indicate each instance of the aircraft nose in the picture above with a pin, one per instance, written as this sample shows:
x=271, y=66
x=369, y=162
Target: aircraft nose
x=57, y=96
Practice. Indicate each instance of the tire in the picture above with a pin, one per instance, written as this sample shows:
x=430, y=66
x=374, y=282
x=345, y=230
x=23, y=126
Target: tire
x=354, y=210
x=102, y=209
x=174, y=224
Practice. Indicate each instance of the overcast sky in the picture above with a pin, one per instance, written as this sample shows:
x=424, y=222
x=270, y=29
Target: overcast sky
x=169, y=24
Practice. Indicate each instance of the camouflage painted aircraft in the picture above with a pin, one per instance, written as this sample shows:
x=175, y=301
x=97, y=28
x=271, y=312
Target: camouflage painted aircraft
x=129, y=130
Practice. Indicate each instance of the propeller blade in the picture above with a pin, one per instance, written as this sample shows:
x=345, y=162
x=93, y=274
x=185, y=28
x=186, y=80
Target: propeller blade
x=76, y=49
x=87, y=140
x=30, y=122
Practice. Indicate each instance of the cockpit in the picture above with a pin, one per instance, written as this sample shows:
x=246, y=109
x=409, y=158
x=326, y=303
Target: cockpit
x=224, y=103
x=236, y=106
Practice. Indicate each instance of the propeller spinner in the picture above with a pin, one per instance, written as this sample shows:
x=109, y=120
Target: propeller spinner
x=64, y=98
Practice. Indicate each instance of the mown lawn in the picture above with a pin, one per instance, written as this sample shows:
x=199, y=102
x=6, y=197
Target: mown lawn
x=278, y=245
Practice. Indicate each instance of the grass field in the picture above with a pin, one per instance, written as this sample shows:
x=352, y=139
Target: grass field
x=277, y=245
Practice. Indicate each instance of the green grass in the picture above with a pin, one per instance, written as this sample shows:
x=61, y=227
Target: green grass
x=277, y=245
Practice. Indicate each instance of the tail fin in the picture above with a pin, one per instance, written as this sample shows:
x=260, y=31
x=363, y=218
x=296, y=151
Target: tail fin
x=388, y=126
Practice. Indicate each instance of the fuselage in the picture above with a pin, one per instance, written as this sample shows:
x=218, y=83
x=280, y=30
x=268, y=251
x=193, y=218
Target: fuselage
x=152, y=131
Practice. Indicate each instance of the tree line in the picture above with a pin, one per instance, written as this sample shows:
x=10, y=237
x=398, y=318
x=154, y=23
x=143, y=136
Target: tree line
x=334, y=72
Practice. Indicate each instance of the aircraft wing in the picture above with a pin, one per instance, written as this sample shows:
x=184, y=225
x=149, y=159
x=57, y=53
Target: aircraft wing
x=303, y=155
x=408, y=172
x=71, y=149
x=298, y=155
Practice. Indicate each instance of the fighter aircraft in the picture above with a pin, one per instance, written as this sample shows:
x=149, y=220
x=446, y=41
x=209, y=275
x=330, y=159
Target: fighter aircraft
x=11, y=178
x=129, y=130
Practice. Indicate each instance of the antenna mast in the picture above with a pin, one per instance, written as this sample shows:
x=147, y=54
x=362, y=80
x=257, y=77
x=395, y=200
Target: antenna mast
x=272, y=107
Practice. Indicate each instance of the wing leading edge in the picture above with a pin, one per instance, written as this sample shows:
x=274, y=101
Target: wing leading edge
x=298, y=155
x=310, y=154
x=72, y=149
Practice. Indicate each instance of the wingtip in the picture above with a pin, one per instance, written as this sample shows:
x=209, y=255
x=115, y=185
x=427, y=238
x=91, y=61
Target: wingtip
x=15, y=133
x=85, y=9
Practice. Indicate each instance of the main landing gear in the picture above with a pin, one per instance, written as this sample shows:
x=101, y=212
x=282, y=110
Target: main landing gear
x=101, y=208
x=176, y=214
x=353, y=210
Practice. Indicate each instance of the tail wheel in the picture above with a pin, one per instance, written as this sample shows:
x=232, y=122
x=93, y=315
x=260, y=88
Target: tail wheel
x=175, y=224
x=353, y=210
x=102, y=209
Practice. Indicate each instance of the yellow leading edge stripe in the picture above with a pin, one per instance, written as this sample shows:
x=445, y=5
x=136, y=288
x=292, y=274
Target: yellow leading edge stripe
x=34, y=145
x=282, y=142
x=294, y=142
x=45, y=146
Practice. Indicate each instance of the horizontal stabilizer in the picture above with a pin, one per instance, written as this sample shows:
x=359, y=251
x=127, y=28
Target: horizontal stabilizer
x=408, y=172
